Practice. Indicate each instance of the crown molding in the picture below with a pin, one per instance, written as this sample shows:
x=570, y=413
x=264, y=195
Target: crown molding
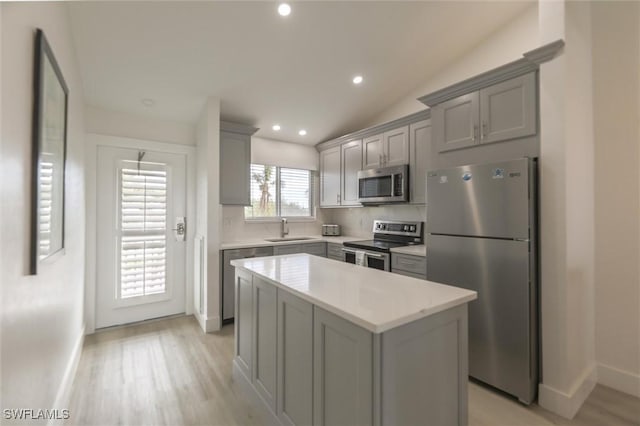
x=530, y=61
x=377, y=129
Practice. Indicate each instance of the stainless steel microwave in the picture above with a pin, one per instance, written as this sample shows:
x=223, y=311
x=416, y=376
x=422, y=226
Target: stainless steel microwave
x=384, y=185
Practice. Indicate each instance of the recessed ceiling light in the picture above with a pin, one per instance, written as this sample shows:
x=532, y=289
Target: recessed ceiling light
x=148, y=102
x=302, y=132
x=284, y=9
x=357, y=79
x=276, y=127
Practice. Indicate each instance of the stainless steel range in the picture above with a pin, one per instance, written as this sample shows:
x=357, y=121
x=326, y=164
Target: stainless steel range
x=376, y=253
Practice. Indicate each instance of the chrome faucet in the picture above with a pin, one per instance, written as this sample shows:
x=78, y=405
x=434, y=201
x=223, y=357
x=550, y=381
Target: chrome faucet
x=284, y=229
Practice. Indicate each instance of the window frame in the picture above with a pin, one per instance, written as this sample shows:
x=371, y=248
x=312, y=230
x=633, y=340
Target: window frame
x=278, y=198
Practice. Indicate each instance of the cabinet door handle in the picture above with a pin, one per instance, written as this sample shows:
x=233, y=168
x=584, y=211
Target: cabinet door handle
x=484, y=130
x=475, y=132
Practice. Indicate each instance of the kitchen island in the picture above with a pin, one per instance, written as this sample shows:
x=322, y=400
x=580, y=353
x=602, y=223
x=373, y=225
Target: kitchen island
x=330, y=343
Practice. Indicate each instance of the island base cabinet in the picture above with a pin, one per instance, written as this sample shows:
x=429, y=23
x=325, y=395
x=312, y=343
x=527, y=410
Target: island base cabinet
x=295, y=360
x=342, y=371
x=265, y=312
x=244, y=321
x=424, y=371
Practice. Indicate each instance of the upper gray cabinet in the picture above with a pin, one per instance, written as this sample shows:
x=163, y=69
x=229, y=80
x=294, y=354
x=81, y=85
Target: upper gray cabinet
x=390, y=148
x=235, y=162
x=508, y=109
x=330, y=177
x=351, y=165
x=500, y=112
x=339, y=168
x=456, y=122
x=419, y=148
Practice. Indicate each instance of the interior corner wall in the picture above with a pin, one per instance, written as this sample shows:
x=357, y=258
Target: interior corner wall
x=567, y=221
x=505, y=45
x=209, y=212
x=115, y=123
x=42, y=315
x=616, y=61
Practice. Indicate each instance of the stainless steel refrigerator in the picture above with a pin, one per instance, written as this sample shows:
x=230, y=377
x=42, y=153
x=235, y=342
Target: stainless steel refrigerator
x=481, y=235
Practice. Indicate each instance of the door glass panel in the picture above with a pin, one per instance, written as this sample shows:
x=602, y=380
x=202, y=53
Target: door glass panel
x=143, y=226
x=375, y=187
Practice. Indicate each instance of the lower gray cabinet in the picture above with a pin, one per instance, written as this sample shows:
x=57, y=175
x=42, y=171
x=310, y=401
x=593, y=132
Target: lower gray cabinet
x=295, y=355
x=318, y=249
x=409, y=265
x=334, y=251
x=342, y=371
x=244, y=321
x=265, y=314
x=288, y=249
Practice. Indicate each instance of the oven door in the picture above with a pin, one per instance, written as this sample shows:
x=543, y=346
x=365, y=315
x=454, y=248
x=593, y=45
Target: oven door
x=373, y=259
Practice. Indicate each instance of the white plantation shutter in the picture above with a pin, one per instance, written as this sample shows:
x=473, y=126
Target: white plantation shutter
x=143, y=225
x=295, y=192
x=44, y=213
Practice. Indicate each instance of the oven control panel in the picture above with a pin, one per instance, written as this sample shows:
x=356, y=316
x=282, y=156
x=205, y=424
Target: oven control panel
x=409, y=229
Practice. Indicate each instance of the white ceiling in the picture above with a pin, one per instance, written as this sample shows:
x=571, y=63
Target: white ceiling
x=294, y=71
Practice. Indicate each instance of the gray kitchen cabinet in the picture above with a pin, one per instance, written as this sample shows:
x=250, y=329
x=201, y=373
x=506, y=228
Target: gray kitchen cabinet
x=342, y=371
x=295, y=354
x=265, y=314
x=372, y=151
x=318, y=249
x=287, y=249
x=508, y=109
x=334, y=251
x=419, y=148
x=330, y=177
x=395, y=147
x=456, y=122
x=244, y=322
x=390, y=148
x=351, y=165
x=228, y=275
x=235, y=162
x=416, y=265
x=503, y=111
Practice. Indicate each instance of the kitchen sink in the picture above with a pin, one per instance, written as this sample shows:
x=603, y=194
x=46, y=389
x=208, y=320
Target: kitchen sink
x=277, y=240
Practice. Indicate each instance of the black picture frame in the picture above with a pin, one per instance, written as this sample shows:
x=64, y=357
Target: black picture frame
x=49, y=139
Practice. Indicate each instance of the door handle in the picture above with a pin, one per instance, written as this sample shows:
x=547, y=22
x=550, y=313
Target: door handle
x=180, y=229
x=378, y=256
x=483, y=134
x=348, y=251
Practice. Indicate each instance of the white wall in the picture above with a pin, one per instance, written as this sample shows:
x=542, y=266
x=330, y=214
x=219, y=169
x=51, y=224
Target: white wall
x=358, y=221
x=208, y=211
x=42, y=315
x=504, y=45
x=567, y=210
x=283, y=154
x=113, y=123
x=616, y=62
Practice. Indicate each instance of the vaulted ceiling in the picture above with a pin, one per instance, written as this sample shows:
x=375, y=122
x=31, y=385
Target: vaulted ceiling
x=295, y=71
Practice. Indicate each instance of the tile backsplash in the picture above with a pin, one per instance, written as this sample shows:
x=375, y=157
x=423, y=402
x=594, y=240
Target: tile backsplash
x=235, y=228
x=358, y=221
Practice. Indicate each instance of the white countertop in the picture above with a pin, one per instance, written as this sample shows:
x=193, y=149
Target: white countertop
x=375, y=300
x=227, y=245
x=419, y=250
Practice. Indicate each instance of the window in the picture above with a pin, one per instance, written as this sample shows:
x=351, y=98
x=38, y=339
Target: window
x=143, y=222
x=280, y=192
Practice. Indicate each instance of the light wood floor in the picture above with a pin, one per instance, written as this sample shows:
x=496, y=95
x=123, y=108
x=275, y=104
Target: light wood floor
x=168, y=372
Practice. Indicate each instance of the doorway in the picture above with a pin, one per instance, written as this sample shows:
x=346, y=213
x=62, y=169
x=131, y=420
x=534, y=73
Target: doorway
x=141, y=235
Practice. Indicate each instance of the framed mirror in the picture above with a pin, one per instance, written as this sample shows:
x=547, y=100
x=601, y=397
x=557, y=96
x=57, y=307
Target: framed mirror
x=49, y=155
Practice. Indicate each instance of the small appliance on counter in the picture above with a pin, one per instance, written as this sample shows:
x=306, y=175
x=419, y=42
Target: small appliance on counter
x=330, y=230
x=376, y=253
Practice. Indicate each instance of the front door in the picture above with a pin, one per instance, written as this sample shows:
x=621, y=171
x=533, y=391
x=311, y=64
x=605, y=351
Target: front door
x=141, y=248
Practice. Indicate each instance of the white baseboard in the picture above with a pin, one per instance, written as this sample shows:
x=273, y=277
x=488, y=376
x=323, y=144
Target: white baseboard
x=620, y=380
x=64, y=390
x=208, y=324
x=567, y=404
